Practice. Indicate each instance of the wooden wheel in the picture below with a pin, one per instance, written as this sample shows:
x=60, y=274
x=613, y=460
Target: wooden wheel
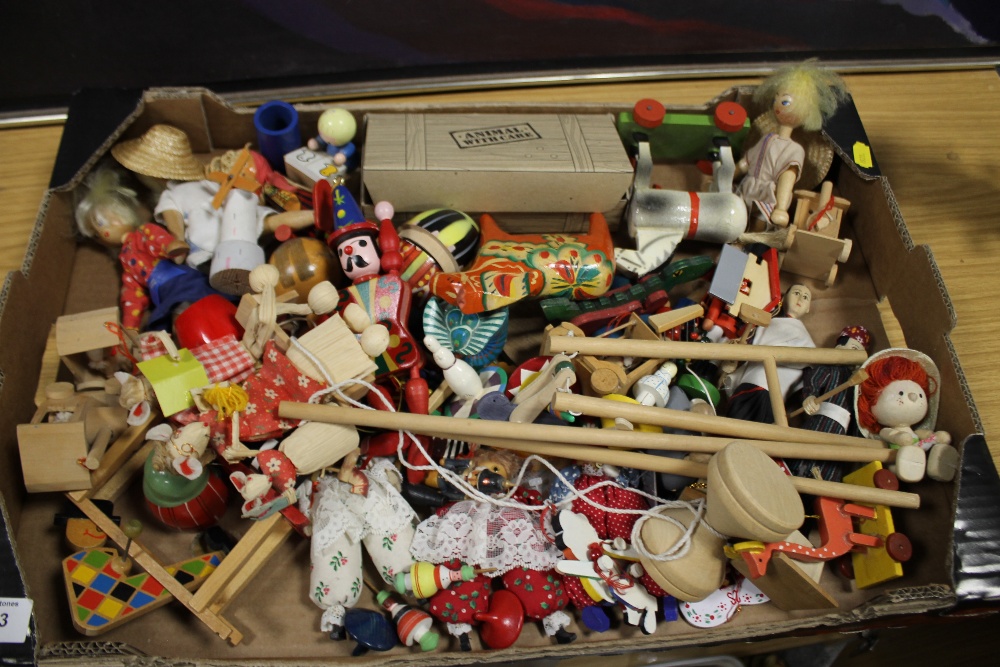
x=899, y=548
x=885, y=479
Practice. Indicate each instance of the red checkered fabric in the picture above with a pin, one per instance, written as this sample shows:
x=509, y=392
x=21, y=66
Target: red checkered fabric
x=224, y=359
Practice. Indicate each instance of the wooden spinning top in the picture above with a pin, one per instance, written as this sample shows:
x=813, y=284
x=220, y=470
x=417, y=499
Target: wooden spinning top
x=750, y=497
x=698, y=573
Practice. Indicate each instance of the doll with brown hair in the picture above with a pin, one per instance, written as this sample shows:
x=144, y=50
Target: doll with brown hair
x=898, y=404
x=799, y=96
x=110, y=213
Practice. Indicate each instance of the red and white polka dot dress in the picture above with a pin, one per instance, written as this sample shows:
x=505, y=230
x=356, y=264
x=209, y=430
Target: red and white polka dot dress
x=608, y=525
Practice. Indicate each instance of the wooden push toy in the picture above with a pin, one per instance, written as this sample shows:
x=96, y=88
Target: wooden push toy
x=813, y=246
x=882, y=562
x=677, y=136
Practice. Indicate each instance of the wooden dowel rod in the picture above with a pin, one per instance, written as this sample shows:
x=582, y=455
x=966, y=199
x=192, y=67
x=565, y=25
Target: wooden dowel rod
x=857, y=494
x=691, y=421
x=669, y=349
x=774, y=392
x=477, y=429
x=603, y=455
x=850, y=492
x=856, y=378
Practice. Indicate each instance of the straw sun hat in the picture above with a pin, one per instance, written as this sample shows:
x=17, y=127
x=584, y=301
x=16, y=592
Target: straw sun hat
x=162, y=152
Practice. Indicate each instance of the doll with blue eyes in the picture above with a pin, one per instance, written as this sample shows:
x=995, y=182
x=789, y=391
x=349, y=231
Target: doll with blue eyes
x=799, y=96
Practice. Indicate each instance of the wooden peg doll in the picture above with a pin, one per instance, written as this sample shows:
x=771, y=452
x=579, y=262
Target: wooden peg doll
x=898, y=403
x=799, y=96
x=335, y=133
x=263, y=319
x=369, y=256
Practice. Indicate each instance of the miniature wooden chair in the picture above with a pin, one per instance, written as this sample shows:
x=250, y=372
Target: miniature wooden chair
x=83, y=339
x=67, y=438
x=814, y=248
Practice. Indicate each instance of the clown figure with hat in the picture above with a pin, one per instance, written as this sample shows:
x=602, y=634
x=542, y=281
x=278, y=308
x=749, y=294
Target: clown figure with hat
x=377, y=299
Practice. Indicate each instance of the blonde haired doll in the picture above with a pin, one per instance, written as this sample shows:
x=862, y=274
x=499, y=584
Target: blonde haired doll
x=799, y=96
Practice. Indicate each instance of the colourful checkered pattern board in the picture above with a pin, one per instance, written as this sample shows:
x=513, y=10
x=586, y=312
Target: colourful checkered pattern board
x=101, y=598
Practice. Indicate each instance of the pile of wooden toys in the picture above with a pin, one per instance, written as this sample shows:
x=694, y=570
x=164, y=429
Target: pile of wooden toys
x=349, y=381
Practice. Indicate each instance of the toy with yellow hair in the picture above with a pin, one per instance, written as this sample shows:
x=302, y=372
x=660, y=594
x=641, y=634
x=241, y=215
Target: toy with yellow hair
x=800, y=98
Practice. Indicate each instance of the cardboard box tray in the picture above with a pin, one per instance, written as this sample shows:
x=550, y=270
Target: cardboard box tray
x=279, y=622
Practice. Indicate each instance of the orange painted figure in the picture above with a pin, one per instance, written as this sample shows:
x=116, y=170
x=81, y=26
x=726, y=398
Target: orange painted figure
x=512, y=267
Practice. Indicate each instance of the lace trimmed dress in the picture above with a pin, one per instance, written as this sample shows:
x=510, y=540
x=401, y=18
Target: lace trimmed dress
x=486, y=536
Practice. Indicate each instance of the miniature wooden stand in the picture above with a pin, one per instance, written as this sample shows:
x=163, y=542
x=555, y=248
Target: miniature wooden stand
x=814, y=247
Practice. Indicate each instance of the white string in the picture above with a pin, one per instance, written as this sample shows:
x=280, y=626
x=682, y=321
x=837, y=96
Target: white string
x=677, y=550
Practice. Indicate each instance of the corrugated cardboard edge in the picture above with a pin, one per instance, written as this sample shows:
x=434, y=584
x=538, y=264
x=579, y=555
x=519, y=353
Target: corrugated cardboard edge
x=895, y=602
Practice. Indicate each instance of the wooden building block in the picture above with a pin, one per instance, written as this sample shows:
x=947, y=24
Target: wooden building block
x=305, y=166
x=491, y=163
x=788, y=585
x=336, y=347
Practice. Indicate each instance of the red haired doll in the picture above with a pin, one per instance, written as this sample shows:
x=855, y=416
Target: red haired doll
x=898, y=403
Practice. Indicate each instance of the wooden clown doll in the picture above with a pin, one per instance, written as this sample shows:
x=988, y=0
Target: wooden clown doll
x=370, y=258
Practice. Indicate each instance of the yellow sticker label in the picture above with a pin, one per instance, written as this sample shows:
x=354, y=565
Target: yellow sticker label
x=862, y=155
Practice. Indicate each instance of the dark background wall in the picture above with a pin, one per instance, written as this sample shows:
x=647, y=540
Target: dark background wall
x=51, y=48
